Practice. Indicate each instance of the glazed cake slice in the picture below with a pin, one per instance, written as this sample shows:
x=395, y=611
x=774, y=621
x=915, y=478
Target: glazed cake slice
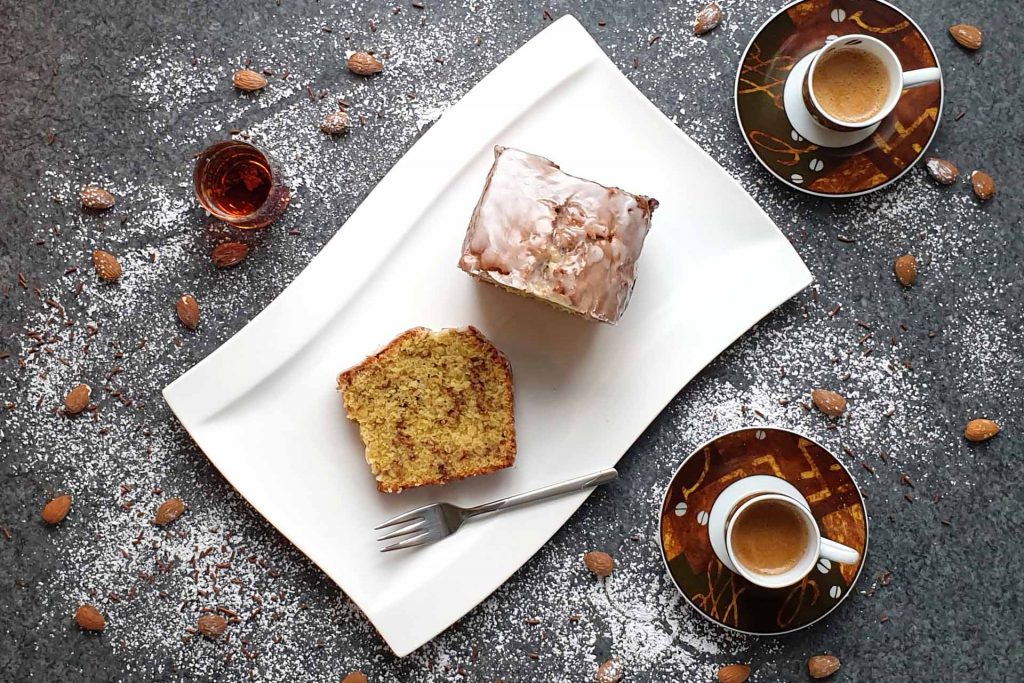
x=541, y=232
x=432, y=407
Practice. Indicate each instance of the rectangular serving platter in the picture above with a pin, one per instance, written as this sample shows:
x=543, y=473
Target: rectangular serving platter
x=264, y=409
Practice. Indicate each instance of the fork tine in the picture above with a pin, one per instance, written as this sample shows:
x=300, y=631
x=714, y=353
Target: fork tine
x=408, y=543
x=412, y=528
x=410, y=516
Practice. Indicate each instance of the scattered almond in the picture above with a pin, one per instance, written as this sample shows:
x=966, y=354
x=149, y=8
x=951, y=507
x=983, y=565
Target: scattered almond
x=106, y=265
x=188, y=311
x=168, y=511
x=211, y=625
x=609, y=672
x=95, y=197
x=828, y=402
x=335, y=123
x=77, y=399
x=984, y=186
x=56, y=510
x=980, y=429
x=599, y=563
x=355, y=677
x=229, y=254
x=707, y=19
x=968, y=36
x=822, y=666
x=249, y=80
x=941, y=171
x=734, y=673
x=905, y=269
x=89, y=618
x=364, y=64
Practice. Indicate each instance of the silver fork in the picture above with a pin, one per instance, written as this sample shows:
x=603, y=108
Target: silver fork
x=433, y=522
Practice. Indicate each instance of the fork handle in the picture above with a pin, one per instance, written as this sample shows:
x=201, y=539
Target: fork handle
x=545, y=492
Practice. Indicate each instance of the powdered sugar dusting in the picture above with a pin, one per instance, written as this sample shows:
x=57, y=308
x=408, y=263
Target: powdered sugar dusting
x=553, y=621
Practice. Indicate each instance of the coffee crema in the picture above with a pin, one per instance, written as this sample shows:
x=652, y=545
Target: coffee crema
x=769, y=538
x=850, y=84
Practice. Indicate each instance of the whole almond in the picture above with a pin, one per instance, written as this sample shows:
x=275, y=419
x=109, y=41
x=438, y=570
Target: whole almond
x=249, y=80
x=89, y=618
x=56, y=509
x=734, y=673
x=708, y=18
x=106, y=265
x=941, y=171
x=822, y=666
x=905, y=269
x=980, y=429
x=984, y=186
x=364, y=64
x=828, y=402
x=77, y=399
x=168, y=511
x=211, y=625
x=599, y=563
x=188, y=311
x=968, y=36
x=229, y=254
x=355, y=677
x=334, y=123
x=95, y=197
x=609, y=672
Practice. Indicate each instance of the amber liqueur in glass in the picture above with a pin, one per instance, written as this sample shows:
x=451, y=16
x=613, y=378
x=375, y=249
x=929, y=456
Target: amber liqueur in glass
x=240, y=184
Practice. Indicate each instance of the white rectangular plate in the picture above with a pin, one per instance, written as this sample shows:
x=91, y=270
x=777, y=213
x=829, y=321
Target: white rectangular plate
x=264, y=409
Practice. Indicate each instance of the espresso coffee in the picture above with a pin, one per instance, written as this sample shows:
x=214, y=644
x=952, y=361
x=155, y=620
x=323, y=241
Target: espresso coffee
x=769, y=538
x=850, y=84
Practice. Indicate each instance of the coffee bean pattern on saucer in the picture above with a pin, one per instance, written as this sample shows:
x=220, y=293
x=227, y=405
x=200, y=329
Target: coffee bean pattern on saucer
x=901, y=138
x=726, y=598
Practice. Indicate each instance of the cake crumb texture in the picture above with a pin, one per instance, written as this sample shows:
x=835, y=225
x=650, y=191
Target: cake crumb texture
x=432, y=407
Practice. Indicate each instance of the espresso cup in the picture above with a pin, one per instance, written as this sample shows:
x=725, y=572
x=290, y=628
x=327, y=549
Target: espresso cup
x=896, y=81
x=769, y=535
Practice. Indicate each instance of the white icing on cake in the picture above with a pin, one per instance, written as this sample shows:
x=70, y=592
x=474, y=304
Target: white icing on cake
x=563, y=239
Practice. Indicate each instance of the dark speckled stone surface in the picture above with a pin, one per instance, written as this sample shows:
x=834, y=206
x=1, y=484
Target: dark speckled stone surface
x=954, y=606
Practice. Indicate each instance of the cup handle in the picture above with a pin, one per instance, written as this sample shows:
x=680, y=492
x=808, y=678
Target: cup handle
x=912, y=79
x=837, y=552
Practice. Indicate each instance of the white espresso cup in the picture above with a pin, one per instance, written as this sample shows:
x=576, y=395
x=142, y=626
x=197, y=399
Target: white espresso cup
x=745, y=493
x=899, y=80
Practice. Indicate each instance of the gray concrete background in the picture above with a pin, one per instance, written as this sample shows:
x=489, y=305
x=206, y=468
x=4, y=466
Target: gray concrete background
x=953, y=608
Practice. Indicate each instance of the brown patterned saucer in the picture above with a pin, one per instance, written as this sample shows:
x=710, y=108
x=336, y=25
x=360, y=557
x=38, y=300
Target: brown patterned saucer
x=778, y=48
x=719, y=594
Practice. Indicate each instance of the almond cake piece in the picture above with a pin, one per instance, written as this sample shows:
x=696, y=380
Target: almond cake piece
x=541, y=232
x=432, y=407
